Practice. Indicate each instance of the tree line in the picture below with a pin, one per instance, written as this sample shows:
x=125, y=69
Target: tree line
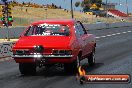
x=86, y=4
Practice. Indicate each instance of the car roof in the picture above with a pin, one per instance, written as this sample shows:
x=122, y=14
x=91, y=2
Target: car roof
x=55, y=21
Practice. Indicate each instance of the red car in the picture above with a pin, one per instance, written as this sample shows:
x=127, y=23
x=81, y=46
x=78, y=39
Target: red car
x=49, y=42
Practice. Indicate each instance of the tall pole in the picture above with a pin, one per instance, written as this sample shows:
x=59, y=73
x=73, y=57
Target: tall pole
x=127, y=6
x=106, y=10
x=46, y=13
x=7, y=20
x=8, y=38
x=72, y=10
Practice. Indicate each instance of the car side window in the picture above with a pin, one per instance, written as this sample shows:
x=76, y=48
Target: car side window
x=79, y=29
x=29, y=31
x=77, y=32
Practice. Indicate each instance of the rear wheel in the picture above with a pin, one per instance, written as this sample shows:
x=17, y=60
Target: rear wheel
x=72, y=67
x=27, y=68
x=91, y=59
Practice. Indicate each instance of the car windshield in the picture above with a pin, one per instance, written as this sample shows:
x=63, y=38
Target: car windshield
x=48, y=30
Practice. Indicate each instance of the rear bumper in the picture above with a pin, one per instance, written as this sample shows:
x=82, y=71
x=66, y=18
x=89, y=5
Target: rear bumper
x=42, y=56
x=47, y=59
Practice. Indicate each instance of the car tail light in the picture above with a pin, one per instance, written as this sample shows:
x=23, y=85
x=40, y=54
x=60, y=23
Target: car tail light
x=68, y=52
x=62, y=52
x=19, y=52
x=22, y=52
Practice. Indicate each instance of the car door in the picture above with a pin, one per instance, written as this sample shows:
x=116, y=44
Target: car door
x=81, y=38
x=89, y=40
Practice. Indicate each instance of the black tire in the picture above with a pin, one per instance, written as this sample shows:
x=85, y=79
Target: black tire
x=72, y=67
x=27, y=68
x=91, y=59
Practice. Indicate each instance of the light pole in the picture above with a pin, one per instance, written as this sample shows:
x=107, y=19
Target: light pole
x=107, y=23
x=46, y=13
x=106, y=10
x=72, y=10
x=127, y=6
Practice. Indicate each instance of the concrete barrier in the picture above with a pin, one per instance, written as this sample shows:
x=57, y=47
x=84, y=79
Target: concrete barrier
x=17, y=31
x=107, y=25
x=13, y=32
x=6, y=49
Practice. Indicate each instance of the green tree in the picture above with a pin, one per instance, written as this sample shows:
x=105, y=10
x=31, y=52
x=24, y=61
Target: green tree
x=77, y=4
x=86, y=4
x=96, y=1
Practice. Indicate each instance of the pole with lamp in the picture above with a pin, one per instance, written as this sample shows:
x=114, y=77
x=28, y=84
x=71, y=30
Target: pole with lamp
x=127, y=6
x=6, y=17
x=106, y=9
x=72, y=9
x=107, y=23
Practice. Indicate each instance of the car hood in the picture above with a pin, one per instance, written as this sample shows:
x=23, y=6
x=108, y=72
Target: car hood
x=46, y=41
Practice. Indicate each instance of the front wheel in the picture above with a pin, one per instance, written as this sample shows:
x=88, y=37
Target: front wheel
x=91, y=59
x=27, y=68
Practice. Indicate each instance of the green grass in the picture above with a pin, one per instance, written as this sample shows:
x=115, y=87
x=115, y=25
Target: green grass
x=23, y=18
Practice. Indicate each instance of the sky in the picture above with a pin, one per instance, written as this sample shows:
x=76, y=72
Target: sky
x=121, y=4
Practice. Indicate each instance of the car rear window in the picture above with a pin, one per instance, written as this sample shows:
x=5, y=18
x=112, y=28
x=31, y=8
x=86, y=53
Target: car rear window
x=48, y=30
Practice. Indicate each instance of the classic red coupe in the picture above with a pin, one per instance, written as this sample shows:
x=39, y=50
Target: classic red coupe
x=49, y=42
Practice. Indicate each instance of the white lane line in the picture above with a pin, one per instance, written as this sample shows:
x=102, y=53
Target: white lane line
x=129, y=31
x=113, y=34
x=108, y=35
x=103, y=36
x=124, y=32
x=97, y=37
x=118, y=33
